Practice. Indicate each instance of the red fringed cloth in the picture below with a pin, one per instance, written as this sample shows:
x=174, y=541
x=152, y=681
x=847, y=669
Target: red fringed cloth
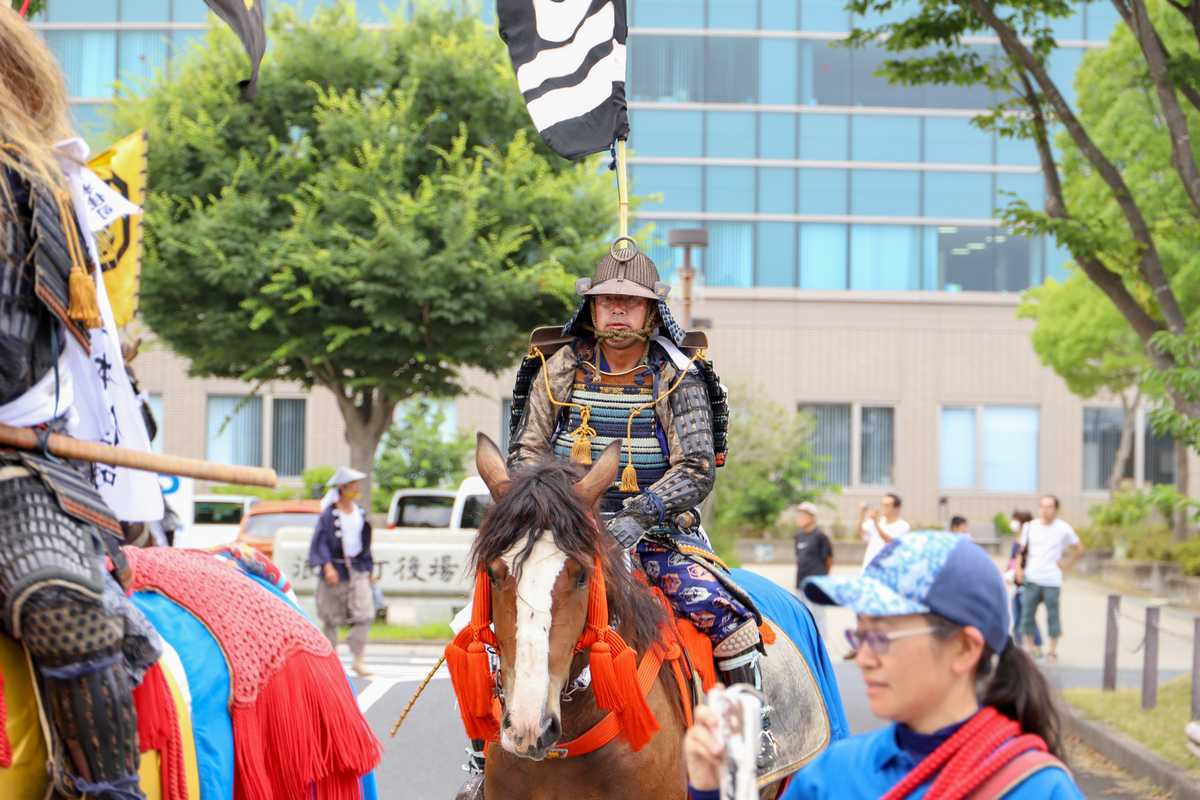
x=296, y=724
x=5, y=744
x=978, y=750
x=158, y=729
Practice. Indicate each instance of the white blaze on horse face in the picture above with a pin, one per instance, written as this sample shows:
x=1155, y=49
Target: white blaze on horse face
x=531, y=679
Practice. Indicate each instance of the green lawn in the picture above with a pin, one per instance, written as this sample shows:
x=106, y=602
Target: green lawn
x=383, y=632
x=1160, y=729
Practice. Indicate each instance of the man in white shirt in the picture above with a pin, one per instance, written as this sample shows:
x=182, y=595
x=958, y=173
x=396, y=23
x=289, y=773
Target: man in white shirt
x=878, y=527
x=1051, y=548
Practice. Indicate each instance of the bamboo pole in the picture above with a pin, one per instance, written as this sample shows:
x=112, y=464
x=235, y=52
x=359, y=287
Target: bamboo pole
x=622, y=189
x=94, y=452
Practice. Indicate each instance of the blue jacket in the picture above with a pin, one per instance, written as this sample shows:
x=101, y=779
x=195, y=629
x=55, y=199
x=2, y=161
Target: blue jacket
x=326, y=547
x=869, y=764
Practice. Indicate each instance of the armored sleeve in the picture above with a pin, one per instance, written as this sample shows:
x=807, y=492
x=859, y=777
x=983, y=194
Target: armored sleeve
x=687, y=420
x=26, y=351
x=531, y=440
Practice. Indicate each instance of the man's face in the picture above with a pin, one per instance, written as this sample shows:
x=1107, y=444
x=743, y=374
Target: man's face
x=1048, y=509
x=888, y=506
x=617, y=312
x=805, y=519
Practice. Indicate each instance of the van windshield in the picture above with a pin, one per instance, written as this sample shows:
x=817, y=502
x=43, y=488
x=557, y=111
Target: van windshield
x=473, y=510
x=217, y=512
x=423, y=512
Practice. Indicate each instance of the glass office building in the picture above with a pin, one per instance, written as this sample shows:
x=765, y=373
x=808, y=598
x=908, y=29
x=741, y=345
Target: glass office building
x=807, y=169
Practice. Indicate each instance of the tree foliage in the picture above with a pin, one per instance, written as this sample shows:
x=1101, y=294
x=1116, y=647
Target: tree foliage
x=772, y=465
x=419, y=453
x=1122, y=188
x=381, y=216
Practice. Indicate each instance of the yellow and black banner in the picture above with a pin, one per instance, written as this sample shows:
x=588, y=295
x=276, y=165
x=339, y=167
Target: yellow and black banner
x=123, y=168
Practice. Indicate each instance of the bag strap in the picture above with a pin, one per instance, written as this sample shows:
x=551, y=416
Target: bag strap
x=1015, y=772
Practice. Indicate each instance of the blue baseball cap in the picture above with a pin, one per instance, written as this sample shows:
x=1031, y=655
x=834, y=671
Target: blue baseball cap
x=925, y=572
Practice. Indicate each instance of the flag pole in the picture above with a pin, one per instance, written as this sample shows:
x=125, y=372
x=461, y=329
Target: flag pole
x=622, y=189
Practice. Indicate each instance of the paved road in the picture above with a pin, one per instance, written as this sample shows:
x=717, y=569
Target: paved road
x=423, y=761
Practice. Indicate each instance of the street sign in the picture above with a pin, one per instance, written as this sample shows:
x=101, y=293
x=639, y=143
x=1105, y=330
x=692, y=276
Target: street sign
x=407, y=563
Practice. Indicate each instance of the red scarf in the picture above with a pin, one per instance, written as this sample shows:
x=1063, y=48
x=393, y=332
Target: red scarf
x=965, y=761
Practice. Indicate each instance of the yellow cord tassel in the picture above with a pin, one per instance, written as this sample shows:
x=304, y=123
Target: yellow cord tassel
x=581, y=449
x=83, y=308
x=629, y=478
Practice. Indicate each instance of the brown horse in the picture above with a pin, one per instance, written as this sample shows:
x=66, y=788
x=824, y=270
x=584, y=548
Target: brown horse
x=539, y=545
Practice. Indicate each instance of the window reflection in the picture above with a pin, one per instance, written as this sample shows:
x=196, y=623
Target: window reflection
x=776, y=251
x=884, y=257
x=984, y=260
x=885, y=138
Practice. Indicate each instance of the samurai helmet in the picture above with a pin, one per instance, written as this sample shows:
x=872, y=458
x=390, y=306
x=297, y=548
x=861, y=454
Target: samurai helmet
x=625, y=270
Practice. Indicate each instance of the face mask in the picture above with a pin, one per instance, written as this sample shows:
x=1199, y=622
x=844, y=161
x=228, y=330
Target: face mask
x=1016, y=526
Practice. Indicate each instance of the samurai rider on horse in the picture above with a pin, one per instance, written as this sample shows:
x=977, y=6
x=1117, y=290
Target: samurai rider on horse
x=623, y=370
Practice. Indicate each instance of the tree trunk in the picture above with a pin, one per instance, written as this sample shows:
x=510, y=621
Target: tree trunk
x=367, y=415
x=1125, y=447
x=1180, y=523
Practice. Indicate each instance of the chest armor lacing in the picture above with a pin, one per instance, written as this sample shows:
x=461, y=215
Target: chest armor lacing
x=610, y=400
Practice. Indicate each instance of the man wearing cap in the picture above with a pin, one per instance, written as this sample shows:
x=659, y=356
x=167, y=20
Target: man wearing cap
x=814, y=556
x=341, y=553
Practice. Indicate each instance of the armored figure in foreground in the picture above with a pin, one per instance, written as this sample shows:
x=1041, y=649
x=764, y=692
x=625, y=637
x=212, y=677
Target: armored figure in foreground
x=58, y=595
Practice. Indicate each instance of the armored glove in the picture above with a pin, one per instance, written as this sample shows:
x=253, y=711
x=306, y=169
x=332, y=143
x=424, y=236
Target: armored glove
x=626, y=530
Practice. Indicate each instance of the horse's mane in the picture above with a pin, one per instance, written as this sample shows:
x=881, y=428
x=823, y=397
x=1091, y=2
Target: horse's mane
x=542, y=497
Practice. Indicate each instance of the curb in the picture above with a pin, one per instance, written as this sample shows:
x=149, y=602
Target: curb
x=1131, y=756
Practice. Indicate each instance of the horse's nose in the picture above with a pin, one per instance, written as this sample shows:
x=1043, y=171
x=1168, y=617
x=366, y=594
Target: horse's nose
x=551, y=730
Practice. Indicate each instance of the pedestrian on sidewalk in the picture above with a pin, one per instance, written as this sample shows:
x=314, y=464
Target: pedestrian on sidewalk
x=1016, y=559
x=972, y=716
x=814, y=556
x=880, y=526
x=341, y=552
x=1051, y=548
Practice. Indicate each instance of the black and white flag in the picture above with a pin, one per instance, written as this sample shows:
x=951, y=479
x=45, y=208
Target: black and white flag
x=569, y=56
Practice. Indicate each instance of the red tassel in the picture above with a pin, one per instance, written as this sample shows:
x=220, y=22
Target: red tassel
x=470, y=668
x=275, y=758
x=5, y=744
x=605, y=684
x=158, y=729
x=479, y=677
x=637, y=720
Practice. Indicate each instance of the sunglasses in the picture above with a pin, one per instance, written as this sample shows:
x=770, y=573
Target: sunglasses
x=880, y=641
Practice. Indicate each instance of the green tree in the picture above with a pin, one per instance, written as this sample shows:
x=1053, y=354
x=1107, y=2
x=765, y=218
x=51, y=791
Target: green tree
x=381, y=217
x=417, y=453
x=35, y=7
x=1126, y=183
x=771, y=466
x=1080, y=335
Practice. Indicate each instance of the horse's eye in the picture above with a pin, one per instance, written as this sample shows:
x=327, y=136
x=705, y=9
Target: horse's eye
x=582, y=580
x=491, y=574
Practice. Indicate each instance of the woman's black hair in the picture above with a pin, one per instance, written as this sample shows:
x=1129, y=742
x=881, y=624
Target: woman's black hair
x=1013, y=685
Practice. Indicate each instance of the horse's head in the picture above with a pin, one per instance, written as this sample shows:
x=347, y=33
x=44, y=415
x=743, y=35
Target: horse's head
x=539, y=545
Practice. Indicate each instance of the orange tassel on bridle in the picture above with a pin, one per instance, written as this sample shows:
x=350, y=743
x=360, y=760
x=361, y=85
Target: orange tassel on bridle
x=470, y=668
x=614, y=667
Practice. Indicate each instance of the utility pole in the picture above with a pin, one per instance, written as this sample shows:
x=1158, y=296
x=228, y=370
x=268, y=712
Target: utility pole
x=687, y=238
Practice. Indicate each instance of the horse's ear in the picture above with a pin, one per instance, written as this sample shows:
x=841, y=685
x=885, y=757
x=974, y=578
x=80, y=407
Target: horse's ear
x=490, y=463
x=601, y=475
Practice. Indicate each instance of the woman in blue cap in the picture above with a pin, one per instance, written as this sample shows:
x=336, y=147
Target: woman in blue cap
x=972, y=716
